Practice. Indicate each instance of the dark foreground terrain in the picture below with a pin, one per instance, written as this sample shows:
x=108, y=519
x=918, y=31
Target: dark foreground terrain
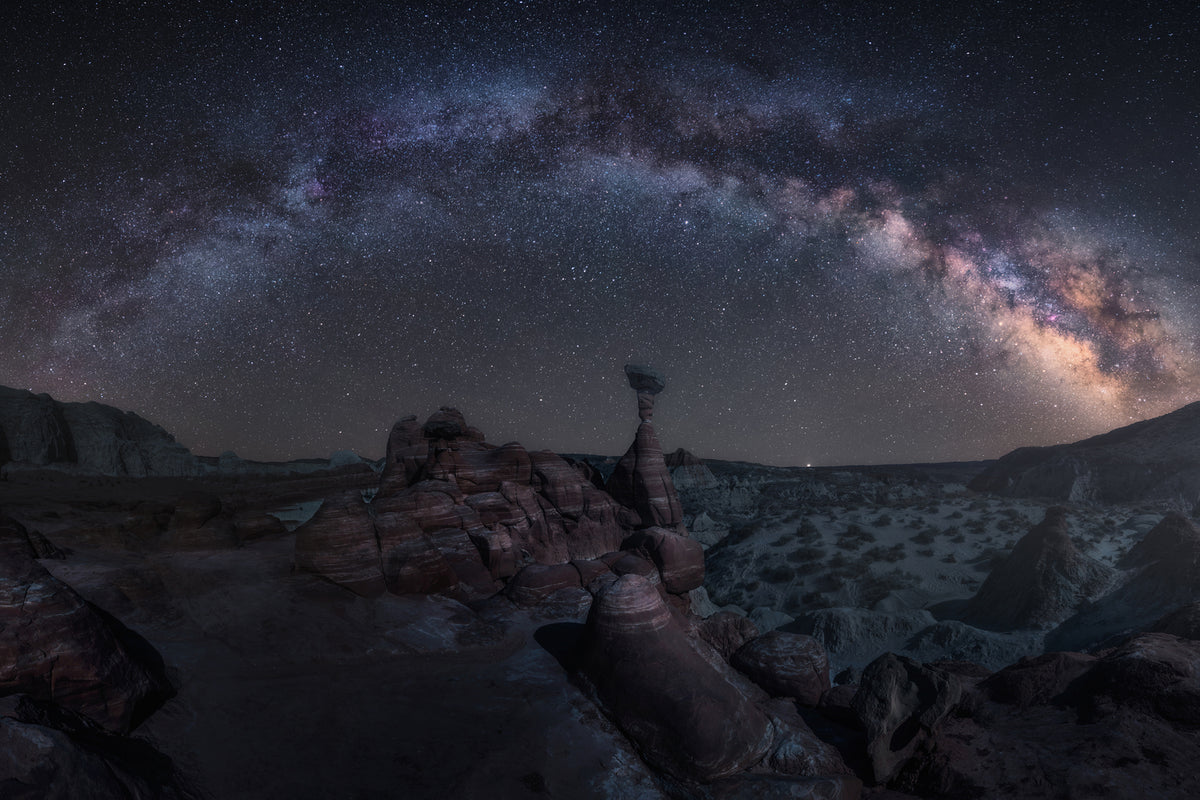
x=472, y=620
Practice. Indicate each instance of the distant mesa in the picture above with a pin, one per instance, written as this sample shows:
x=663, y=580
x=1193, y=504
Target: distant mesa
x=39, y=432
x=1154, y=460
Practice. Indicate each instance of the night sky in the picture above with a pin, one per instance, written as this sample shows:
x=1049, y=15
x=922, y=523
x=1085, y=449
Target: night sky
x=845, y=234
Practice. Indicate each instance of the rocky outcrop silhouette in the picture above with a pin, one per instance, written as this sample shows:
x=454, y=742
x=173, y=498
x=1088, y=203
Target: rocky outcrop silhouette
x=1162, y=575
x=641, y=480
x=1040, y=583
x=37, y=430
x=1154, y=460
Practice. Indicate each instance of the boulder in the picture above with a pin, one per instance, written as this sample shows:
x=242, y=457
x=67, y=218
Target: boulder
x=786, y=665
x=680, y=560
x=901, y=703
x=726, y=631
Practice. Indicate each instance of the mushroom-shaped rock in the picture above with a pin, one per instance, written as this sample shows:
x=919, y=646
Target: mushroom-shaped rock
x=642, y=482
x=57, y=648
x=647, y=382
x=339, y=544
x=680, y=711
x=901, y=703
x=680, y=560
x=786, y=665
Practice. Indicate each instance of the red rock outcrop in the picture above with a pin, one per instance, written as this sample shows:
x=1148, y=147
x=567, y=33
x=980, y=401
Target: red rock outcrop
x=407, y=449
x=786, y=665
x=680, y=711
x=339, y=544
x=680, y=560
x=726, y=631
x=57, y=648
x=642, y=482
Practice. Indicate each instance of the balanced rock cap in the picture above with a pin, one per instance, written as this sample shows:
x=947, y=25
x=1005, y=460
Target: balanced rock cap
x=645, y=379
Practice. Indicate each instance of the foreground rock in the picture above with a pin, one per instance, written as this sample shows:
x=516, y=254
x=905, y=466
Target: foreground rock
x=58, y=649
x=786, y=665
x=1042, y=581
x=681, y=712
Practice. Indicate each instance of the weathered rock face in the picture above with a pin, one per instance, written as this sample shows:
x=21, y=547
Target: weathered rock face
x=786, y=665
x=641, y=481
x=901, y=703
x=680, y=560
x=1042, y=582
x=38, y=430
x=58, y=649
x=1165, y=568
x=689, y=472
x=460, y=518
x=1151, y=460
x=680, y=711
x=407, y=449
x=339, y=543
x=1070, y=725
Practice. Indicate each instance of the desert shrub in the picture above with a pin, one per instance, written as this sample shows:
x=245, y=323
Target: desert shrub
x=925, y=537
x=890, y=554
x=875, y=587
x=949, y=558
x=976, y=525
x=882, y=521
x=855, y=537
x=783, y=540
x=955, y=535
x=926, y=552
x=955, y=515
x=806, y=554
x=778, y=573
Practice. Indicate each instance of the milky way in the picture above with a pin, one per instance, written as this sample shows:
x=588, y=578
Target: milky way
x=844, y=237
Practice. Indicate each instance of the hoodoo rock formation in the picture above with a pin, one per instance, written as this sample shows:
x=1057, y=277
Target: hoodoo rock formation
x=641, y=480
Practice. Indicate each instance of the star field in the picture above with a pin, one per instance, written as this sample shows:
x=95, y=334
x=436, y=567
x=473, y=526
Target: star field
x=846, y=235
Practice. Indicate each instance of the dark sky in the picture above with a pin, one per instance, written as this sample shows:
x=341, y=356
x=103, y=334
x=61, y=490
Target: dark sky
x=845, y=234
